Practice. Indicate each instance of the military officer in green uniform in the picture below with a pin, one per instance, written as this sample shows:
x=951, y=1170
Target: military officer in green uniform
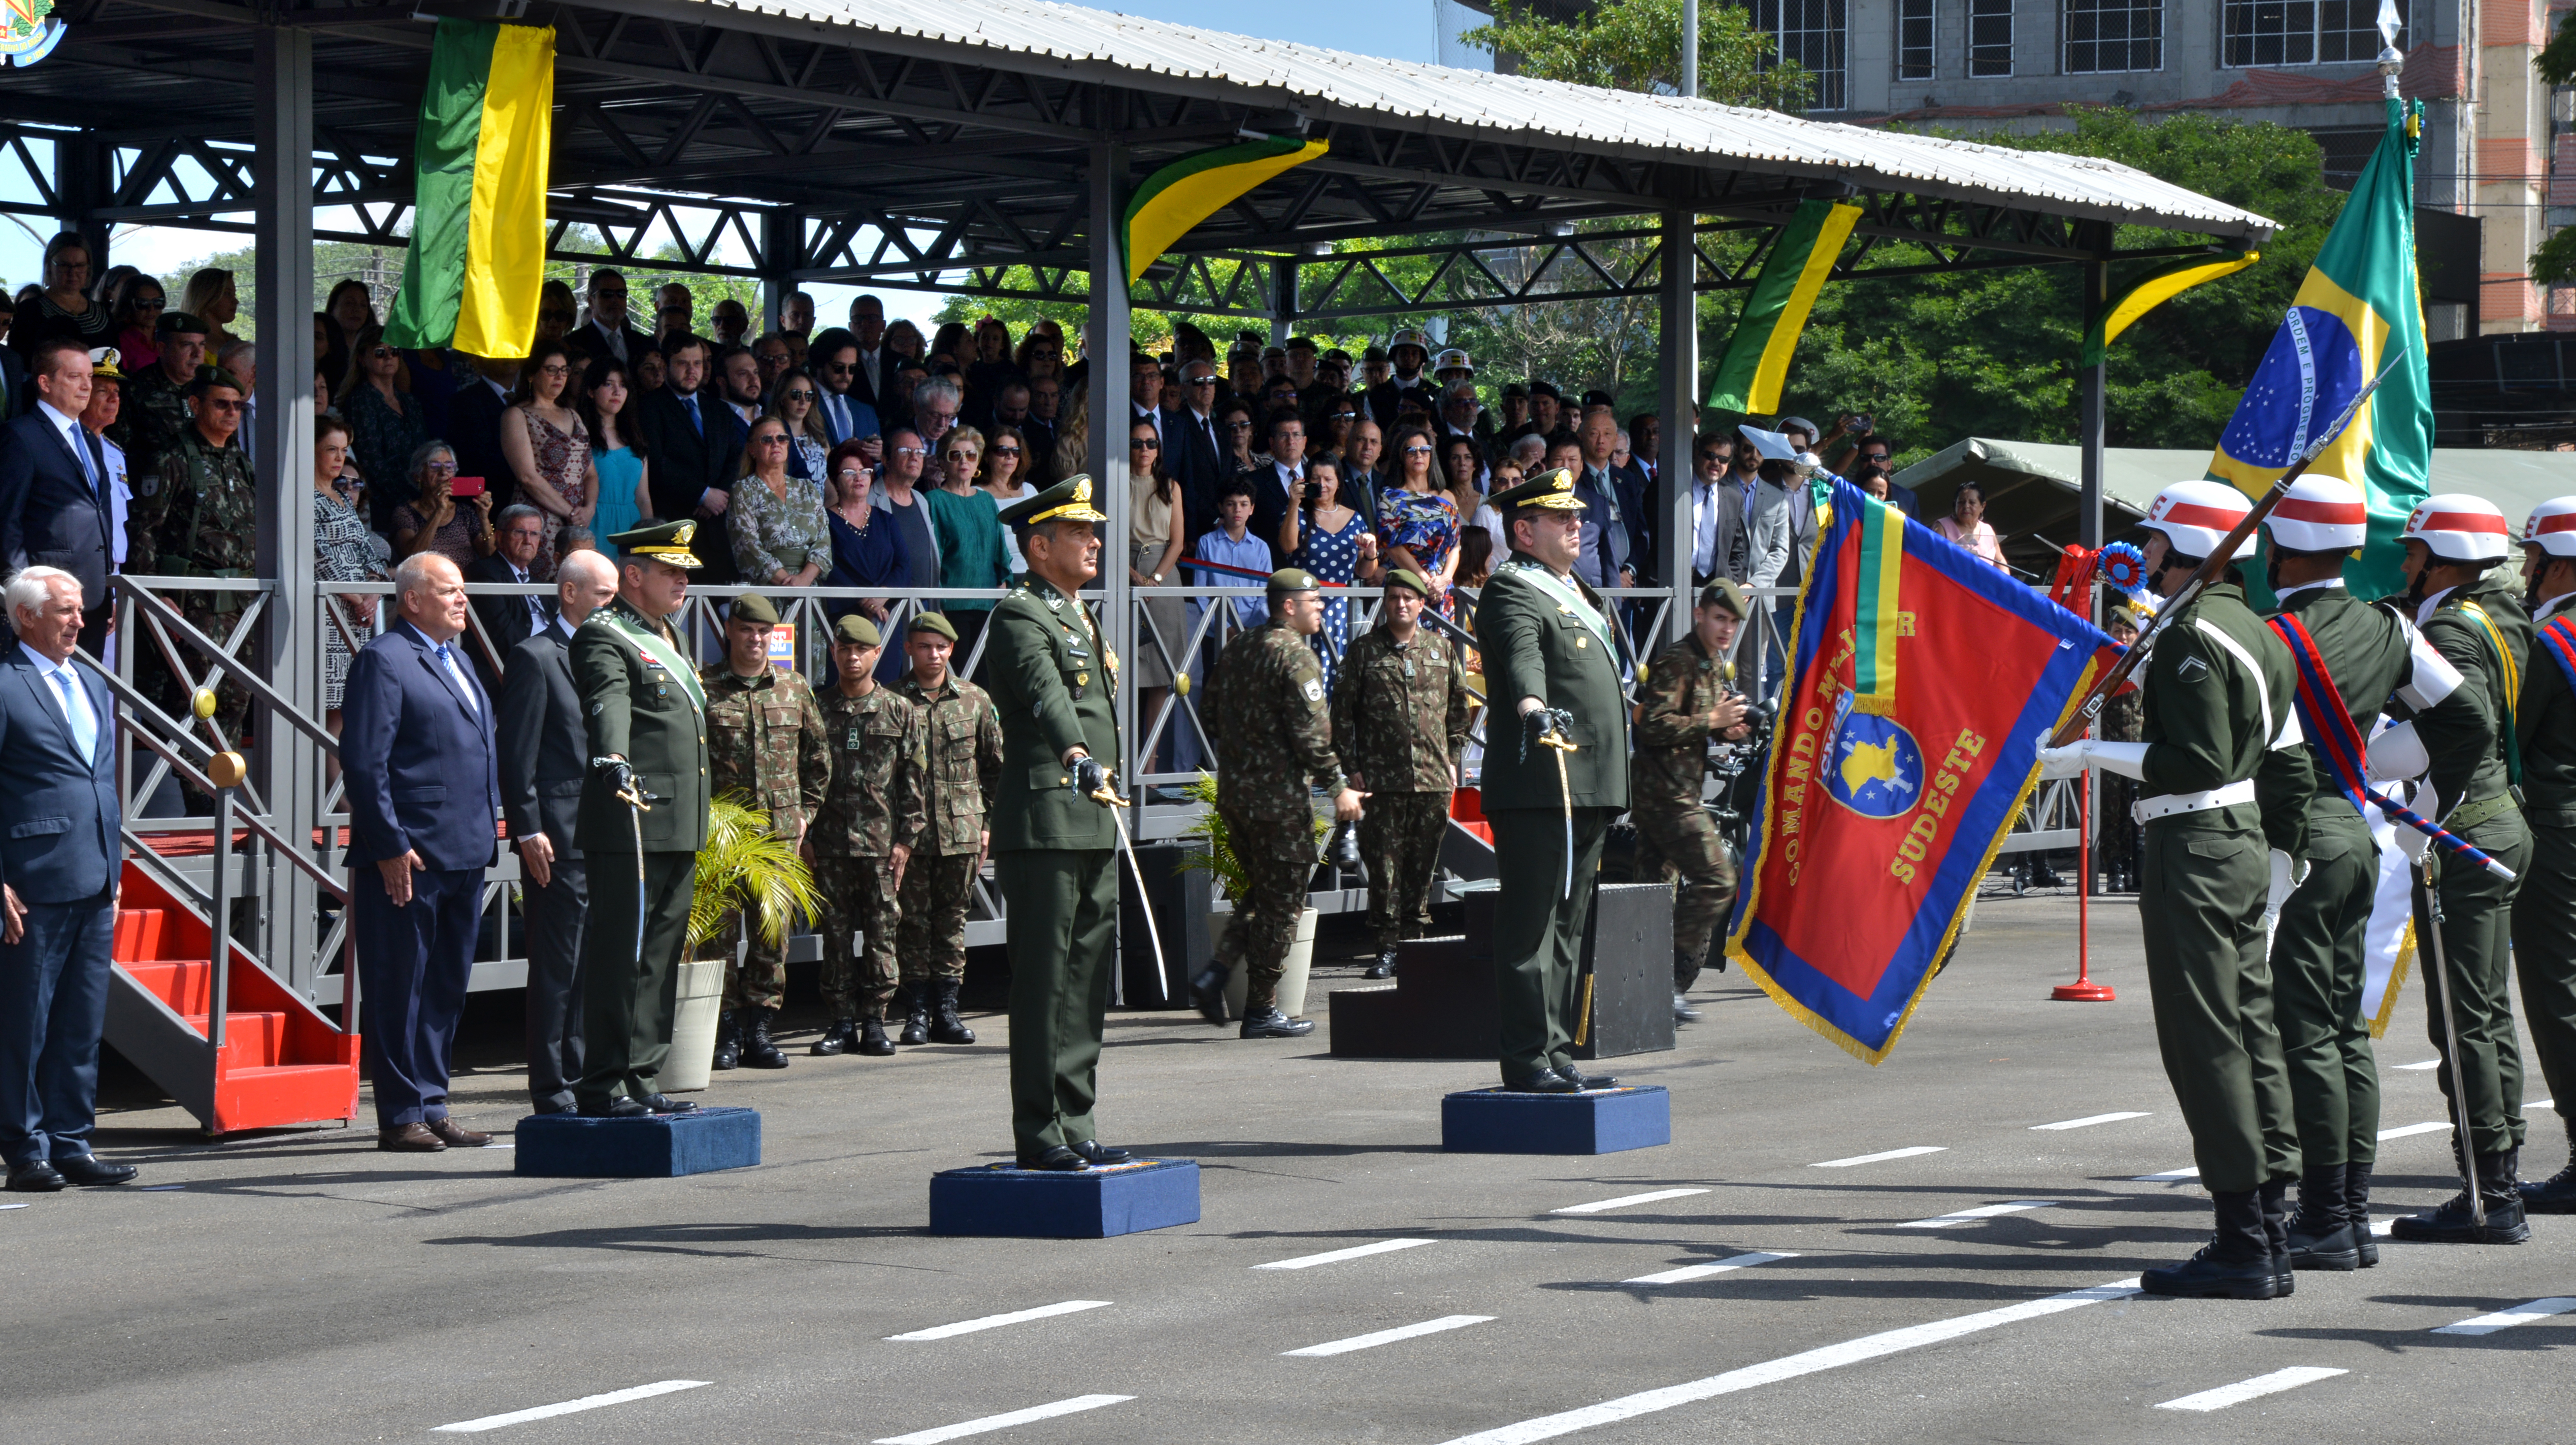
x=2474, y=760
x=1274, y=736
x=766, y=750
x=196, y=514
x=963, y=737
x=2218, y=704
x=155, y=415
x=1400, y=713
x=2544, y=913
x=646, y=718
x=1686, y=699
x=864, y=838
x=1554, y=777
x=1055, y=684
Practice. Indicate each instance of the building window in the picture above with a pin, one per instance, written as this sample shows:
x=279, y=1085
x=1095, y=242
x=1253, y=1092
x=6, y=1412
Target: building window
x=2302, y=32
x=1914, y=39
x=1811, y=33
x=1990, y=37
x=2109, y=35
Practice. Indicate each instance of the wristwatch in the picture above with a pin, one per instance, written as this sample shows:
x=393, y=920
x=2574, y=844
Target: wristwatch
x=1158, y=579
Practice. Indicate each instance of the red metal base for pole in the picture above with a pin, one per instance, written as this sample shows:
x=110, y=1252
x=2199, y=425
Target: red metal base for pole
x=2083, y=989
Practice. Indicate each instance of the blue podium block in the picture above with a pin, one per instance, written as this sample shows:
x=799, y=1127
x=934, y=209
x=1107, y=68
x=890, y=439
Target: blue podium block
x=662, y=1146
x=1600, y=1121
x=1008, y=1202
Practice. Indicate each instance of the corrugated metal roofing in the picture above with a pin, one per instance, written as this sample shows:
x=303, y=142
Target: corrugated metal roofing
x=1522, y=110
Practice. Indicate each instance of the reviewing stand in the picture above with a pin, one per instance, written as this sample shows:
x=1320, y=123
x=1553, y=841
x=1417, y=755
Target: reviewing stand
x=660, y=1146
x=1598, y=1121
x=1007, y=1202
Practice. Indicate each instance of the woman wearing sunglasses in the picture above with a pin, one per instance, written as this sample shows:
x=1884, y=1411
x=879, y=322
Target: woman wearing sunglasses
x=779, y=536
x=1154, y=538
x=385, y=425
x=138, y=310
x=796, y=399
x=969, y=533
x=1004, y=481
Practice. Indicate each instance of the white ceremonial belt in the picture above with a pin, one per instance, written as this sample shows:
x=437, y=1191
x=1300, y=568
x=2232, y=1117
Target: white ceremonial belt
x=2166, y=805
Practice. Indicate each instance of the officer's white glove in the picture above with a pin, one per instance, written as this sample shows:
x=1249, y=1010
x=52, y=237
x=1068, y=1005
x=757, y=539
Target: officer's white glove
x=2397, y=754
x=2129, y=760
x=2065, y=762
x=2287, y=875
x=2410, y=842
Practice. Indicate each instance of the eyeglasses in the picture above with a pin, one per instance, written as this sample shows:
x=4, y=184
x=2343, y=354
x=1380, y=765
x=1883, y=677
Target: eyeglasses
x=215, y=404
x=382, y=353
x=1143, y=444
x=1417, y=451
x=1238, y=426
x=796, y=396
x=445, y=466
x=910, y=451
x=149, y=304
x=775, y=439
x=1345, y=416
x=1006, y=451
x=850, y=474
x=840, y=368
x=617, y=295
x=961, y=455
x=1199, y=381
x=1719, y=457
x=557, y=369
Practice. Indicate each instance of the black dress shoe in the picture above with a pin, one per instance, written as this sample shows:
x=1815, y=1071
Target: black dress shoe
x=1582, y=1080
x=1057, y=1159
x=1545, y=1081
x=616, y=1109
x=551, y=1106
x=665, y=1104
x=1208, y=992
x=409, y=1139
x=456, y=1135
x=1382, y=966
x=34, y=1177
x=1098, y=1155
x=837, y=1039
x=1270, y=1023
x=89, y=1169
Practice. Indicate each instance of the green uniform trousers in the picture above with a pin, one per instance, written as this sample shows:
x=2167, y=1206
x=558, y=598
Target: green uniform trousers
x=931, y=937
x=1063, y=909
x=1400, y=837
x=2201, y=904
x=1686, y=842
x=630, y=986
x=2317, y=976
x=1538, y=931
x=759, y=978
x=2544, y=954
x=859, y=898
x=1278, y=860
x=2477, y=928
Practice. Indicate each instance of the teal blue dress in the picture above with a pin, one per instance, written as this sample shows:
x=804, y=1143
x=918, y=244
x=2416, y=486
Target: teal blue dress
x=619, y=472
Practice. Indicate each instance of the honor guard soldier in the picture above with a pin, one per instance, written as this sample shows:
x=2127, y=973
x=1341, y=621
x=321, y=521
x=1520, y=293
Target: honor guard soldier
x=2474, y=761
x=964, y=738
x=2544, y=913
x=196, y=514
x=1274, y=735
x=863, y=838
x=643, y=819
x=1552, y=660
x=766, y=750
x=2218, y=705
x=1055, y=843
x=2354, y=655
x=1686, y=700
x=1400, y=714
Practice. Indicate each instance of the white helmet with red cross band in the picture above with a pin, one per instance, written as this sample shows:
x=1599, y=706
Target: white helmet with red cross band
x=2552, y=527
x=2320, y=514
x=2459, y=528
x=2196, y=516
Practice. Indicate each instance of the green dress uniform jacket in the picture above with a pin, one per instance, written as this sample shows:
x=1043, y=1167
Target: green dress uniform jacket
x=2219, y=688
x=2544, y=912
x=1054, y=683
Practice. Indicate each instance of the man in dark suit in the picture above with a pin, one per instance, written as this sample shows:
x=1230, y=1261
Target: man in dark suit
x=541, y=779
x=14, y=395
x=521, y=534
x=54, y=491
x=607, y=332
x=1193, y=448
x=874, y=382
x=416, y=754
x=694, y=448
x=834, y=360
x=474, y=428
x=59, y=855
x=1278, y=486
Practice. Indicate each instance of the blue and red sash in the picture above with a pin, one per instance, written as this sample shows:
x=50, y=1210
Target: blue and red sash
x=2559, y=636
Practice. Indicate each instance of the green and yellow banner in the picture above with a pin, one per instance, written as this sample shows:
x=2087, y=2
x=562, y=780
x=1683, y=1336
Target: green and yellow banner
x=478, y=236
x=1766, y=335
x=2153, y=290
x=1195, y=187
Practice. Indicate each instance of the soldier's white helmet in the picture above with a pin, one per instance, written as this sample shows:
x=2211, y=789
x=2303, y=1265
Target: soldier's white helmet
x=2552, y=527
x=2320, y=514
x=1451, y=360
x=1415, y=339
x=2460, y=528
x=2196, y=516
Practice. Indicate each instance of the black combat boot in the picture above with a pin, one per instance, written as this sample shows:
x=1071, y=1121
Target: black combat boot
x=916, y=1014
x=2236, y=1264
x=2557, y=1193
x=837, y=1039
x=1208, y=991
x=2356, y=1212
x=2453, y=1224
x=1685, y=973
x=757, y=1050
x=872, y=1039
x=945, y=1026
x=728, y=1041
x=1382, y=966
x=2321, y=1232
x=1263, y=1020
x=2274, y=1196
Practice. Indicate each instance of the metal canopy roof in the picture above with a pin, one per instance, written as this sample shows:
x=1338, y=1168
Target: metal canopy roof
x=910, y=143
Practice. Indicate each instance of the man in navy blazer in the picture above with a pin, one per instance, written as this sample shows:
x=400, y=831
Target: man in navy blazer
x=424, y=788
x=54, y=490
x=59, y=857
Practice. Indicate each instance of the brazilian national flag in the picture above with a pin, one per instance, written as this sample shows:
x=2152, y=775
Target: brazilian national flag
x=2359, y=306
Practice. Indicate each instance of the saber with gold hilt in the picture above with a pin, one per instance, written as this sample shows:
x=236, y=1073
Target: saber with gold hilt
x=1107, y=798
x=1556, y=742
x=626, y=786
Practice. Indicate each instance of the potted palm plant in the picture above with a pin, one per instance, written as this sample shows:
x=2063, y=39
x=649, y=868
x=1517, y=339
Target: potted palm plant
x=1212, y=851
x=743, y=866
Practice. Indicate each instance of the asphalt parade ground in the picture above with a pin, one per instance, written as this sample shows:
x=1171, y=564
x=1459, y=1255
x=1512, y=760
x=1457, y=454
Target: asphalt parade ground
x=1943, y=1248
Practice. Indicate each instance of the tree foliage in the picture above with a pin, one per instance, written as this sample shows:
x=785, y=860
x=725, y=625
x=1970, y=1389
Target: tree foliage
x=1637, y=45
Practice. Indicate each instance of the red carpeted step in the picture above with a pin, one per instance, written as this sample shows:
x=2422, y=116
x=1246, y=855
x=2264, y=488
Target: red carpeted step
x=259, y=1098
x=183, y=984
x=251, y=1039
x=138, y=935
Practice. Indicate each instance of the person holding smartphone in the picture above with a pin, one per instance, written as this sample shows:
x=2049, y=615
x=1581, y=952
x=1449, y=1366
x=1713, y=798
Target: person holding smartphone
x=448, y=514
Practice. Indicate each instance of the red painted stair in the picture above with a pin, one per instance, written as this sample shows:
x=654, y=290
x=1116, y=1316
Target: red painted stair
x=282, y=1061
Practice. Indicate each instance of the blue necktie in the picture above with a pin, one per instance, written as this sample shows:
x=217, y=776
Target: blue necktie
x=696, y=423
x=447, y=660
x=76, y=712
x=89, y=465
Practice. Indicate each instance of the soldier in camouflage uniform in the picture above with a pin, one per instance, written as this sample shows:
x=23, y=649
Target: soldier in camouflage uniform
x=863, y=838
x=766, y=750
x=1274, y=734
x=964, y=737
x=1400, y=710
x=196, y=515
x=155, y=415
x=1683, y=701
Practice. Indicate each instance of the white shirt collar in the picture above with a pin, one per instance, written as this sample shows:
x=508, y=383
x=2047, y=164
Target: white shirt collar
x=48, y=666
x=2551, y=608
x=564, y=625
x=2286, y=593
x=63, y=422
x=2424, y=611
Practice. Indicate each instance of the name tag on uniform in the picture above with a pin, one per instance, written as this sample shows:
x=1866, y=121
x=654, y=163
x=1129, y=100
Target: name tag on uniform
x=858, y=738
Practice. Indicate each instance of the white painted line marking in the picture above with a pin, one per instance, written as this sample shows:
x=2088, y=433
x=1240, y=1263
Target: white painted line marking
x=1790, y=1367
x=1074, y=1406
x=1876, y=1158
x=2382, y=1228
x=570, y=1407
x=2419, y=1068
x=2521, y=1314
x=1989, y=1211
x=1624, y=1200
x=2089, y=1120
x=1336, y=1256
x=1388, y=1337
x=2253, y=1389
x=12, y=1206
x=995, y=1322
x=2536, y=1105
x=2168, y=1177
x=2405, y=1131
x=496, y=1144
x=1689, y=1272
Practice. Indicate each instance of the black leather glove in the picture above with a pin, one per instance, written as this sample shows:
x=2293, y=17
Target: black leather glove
x=1090, y=779
x=621, y=776
x=1539, y=722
